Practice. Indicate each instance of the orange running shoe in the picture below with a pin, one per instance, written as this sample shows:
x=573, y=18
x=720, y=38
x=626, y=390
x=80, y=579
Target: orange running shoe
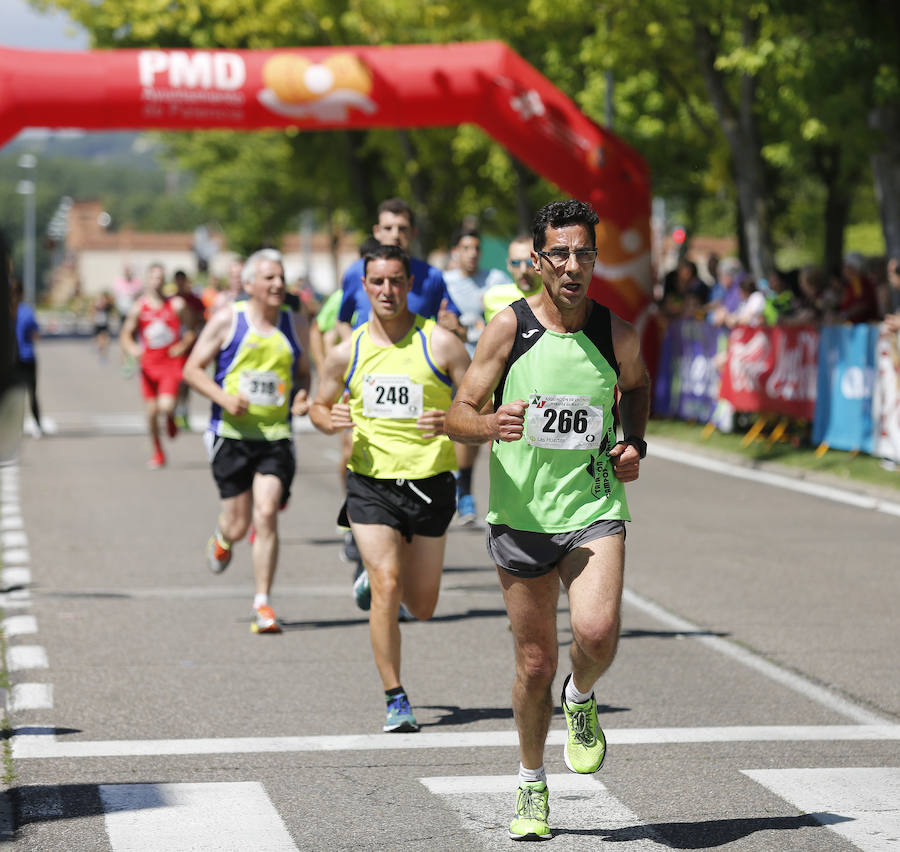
x=217, y=557
x=264, y=620
x=157, y=460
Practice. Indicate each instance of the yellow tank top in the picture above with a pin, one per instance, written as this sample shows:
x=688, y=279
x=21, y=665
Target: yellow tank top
x=261, y=366
x=390, y=387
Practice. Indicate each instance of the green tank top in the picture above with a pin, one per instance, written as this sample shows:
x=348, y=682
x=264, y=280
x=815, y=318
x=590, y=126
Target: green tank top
x=558, y=477
x=390, y=386
x=326, y=319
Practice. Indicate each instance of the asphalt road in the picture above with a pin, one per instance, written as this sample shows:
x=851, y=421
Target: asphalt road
x=754, y=703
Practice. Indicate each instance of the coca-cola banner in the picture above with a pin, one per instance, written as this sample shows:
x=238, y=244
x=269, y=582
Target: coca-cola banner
x=846, y=378
x=886, y=397
x=772, y=370
x=687, y=382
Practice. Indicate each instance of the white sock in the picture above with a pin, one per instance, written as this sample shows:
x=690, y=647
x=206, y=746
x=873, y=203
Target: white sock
x=531, y=776
x=573, y=696
x=260, y=600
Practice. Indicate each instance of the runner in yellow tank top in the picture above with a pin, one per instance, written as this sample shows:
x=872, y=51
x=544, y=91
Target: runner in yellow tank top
x=259, y=352
x=391, y=383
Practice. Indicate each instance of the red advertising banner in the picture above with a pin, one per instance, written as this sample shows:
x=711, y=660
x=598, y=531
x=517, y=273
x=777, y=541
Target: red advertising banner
x=772, y=370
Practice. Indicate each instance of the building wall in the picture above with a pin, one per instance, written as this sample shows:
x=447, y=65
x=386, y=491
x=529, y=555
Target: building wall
x=97, y=269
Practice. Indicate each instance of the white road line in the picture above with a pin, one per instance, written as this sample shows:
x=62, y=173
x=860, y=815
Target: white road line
x=19, y=657
x=19, y=625
x=796, y=682
x=16, y=599
x=838, y=495
x=13, y=538
x=16, y=556
x=582, y=810
x=862, y=805
x=11, y=522
x=450, y=785
x=41, y=746
x=227, y=817
x=31, y=696
x=15, y=577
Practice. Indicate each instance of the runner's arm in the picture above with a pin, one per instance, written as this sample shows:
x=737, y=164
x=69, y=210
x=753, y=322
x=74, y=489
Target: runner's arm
x=451, y=357
x=189, y=323
x=302, y=375
x=208, y=344
x=634, y=399
x=317, y=347
x=330, y=411
x=467, y=421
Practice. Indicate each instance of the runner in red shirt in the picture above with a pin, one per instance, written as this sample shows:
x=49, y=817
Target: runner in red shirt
x=153, y=333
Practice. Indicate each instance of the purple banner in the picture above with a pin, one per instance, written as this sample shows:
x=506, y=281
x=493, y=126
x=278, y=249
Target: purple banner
x=687, y=382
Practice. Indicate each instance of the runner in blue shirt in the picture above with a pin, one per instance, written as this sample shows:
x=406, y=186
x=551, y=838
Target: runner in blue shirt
x=428, y=298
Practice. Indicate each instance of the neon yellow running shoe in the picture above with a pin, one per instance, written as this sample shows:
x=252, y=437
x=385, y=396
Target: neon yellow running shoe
x=532, y=810
x=585, y=744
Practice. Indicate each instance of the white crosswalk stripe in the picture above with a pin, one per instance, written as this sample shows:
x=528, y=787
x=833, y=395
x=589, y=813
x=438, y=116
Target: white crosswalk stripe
x=582, y=811
x=227, y=817
x=862, y=805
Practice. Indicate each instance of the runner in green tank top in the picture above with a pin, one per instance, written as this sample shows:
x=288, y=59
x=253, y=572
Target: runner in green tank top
x=552, y=364
x=391, y=383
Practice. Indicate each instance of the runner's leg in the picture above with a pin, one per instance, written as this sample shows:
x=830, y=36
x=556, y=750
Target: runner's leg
x=421, y=565
x=235, y=515
x=381, y=548
x=267, y=494
x=531, y=605
x=593, y=575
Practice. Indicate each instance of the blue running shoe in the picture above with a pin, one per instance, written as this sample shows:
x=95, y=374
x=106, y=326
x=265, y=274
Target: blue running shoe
x=361, y=590
x=465, y=510
x=400, y=719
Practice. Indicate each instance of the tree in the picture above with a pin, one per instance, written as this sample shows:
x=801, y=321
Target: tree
x=757, y=103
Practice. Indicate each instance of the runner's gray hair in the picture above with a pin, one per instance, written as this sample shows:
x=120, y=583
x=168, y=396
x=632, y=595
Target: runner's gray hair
x=252, y=263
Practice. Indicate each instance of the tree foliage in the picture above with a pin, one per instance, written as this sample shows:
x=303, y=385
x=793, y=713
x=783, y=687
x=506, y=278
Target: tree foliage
x=763, y=107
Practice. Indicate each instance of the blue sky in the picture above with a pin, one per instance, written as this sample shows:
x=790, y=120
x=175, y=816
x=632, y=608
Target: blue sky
x=24, y=27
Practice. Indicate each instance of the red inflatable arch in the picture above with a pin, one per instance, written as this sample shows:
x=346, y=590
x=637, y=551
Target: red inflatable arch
x=484, y=83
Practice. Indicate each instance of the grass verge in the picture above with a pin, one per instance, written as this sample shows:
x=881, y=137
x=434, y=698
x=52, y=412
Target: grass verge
x=793, y=453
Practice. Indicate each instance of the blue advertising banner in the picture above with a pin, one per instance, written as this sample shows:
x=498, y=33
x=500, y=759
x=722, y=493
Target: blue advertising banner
x=846, y=379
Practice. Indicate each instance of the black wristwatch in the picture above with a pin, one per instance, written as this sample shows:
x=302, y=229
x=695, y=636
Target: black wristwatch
x=638, y=443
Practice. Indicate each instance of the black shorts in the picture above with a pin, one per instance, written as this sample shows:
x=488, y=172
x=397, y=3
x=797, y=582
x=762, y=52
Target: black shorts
x=235, y=462
x=412, y=506
x=533, y=554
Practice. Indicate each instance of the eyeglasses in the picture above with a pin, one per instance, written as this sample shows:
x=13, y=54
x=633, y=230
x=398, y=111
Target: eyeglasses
x=560, y=257
x=518, y=263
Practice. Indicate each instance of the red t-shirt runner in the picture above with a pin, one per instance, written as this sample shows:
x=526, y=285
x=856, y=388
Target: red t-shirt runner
x=158, y=329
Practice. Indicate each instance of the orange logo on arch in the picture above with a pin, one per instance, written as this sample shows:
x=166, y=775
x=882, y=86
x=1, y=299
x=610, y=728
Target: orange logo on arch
x=297, y=87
